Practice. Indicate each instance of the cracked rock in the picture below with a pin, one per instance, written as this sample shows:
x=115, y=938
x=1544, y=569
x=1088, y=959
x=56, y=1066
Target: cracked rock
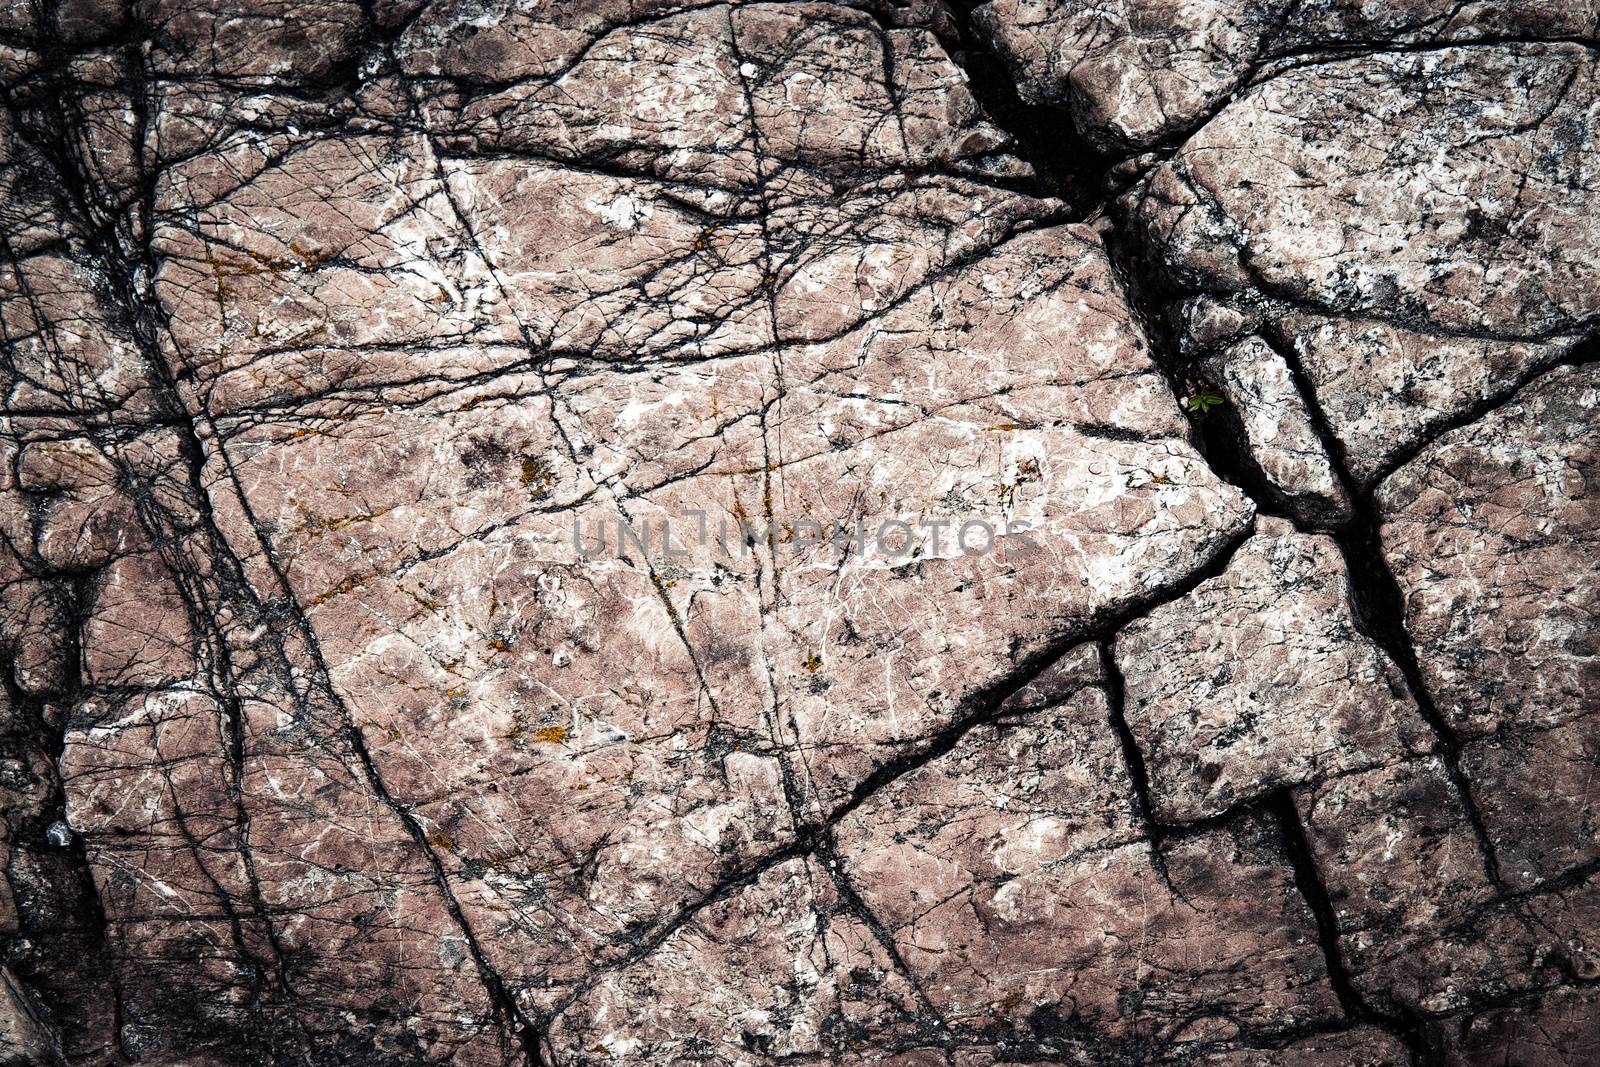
x=1491, y=532
x=541, y=534
x=26, y=1038
x=1423, y=925
x=1136, y=72
x=1017, y=886
x=1553, y=1030
x=1421, y=254
x=1258, y=385
x=1261, y=678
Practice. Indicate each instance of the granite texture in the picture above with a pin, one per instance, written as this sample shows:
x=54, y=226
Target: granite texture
x=903, y=533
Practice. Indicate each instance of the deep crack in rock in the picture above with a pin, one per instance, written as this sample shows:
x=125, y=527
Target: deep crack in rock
x=487, y=514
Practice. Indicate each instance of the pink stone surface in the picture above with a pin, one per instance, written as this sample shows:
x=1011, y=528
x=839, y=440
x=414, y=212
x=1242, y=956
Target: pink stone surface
x=766, y=533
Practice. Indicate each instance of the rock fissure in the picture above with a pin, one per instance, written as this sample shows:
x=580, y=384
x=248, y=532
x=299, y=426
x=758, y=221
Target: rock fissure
x=1253, y=339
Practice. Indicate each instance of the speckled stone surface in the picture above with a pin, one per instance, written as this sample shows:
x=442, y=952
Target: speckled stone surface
x=769, y=533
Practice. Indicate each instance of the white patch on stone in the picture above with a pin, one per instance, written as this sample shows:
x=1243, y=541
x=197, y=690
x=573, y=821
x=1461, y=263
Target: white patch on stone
x=622, y=213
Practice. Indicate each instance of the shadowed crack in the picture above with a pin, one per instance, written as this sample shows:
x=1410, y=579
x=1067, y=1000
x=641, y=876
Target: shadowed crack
x=1410, y=1029
x=1064, y=164
x=126, y=263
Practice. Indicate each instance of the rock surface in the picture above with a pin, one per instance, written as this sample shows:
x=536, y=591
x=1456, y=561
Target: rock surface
x=1261, y=678
x=26, y=1039
x=1135, y=72
x=606, y=533
x=1417, y=227
x=1494, y=536
x=1278, y=433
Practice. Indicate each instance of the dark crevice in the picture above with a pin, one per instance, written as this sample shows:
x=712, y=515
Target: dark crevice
x=1408, y=1028
x=652, y=936
x=1133, y=758
x=1380, y=614
x=1379, y=603
x=1217, y=435
x=1064, y=164
x=1375, y=595
x=864, y=914
x=990, y=706
x=117, y=244
x=1223, y=442
x=61, y=947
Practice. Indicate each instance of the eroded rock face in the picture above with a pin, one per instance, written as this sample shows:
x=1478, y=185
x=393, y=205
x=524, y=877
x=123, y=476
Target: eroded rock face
x=1135, y=72
x=25, y=1037
x=643, y=533
x=1258, y=384
x=1421, y=254
x=1492, y=536
x=1261, y=678
x=983, y=865
x=1419, y=903
x=1551, y=1030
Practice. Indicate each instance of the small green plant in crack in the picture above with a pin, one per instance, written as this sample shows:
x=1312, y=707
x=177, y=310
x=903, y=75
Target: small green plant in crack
x=1202, y=400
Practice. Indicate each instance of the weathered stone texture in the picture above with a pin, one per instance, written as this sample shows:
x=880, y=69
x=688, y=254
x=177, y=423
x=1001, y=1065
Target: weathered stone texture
x=1017, y=884
x=1134, y=72
x=1554, y=1030
x=1261, y=678
x=26, y=1039
x=1418, y=227
x=1257, y=383
x=1492, y=533
x=1156, y=630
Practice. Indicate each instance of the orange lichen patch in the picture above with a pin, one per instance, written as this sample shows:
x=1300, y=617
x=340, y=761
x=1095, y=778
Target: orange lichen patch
x=295, y=340
x=502, y=859
x=536, y=476
x=425, y=600
x=348, y=585
x=552, y=734
x=253, y=263
x=440, y=839
x=400, y=679
x=316, y=431
x=314, y=525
